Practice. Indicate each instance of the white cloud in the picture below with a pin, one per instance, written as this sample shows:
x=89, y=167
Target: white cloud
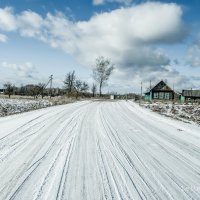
x=193, y=54
x=7, y=19
x=3, y=38
x=127, y=36
x=26, y=70
x=99, y=2
x=29, y=23
x=121, y=33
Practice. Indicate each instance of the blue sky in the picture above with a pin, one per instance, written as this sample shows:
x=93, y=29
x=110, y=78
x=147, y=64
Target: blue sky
x=146, y=40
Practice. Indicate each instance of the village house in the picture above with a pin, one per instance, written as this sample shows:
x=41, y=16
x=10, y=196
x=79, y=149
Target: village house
x=190, y=95
x=160, y=92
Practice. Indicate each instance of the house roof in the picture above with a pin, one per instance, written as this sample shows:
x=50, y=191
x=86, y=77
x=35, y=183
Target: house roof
x=161, y=86
x=191, y=93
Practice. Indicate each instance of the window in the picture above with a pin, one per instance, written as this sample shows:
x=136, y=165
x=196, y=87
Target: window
x=167, y=95
x=155, y=95
x=161, y=95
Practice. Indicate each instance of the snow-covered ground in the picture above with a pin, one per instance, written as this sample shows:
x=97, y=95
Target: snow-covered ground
x=186, y=112
x=12, y=106
x=98, y=150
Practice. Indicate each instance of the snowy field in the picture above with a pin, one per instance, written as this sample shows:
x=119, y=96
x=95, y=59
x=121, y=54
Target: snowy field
x=184, y=112
x=13, y=106
x=98, y=150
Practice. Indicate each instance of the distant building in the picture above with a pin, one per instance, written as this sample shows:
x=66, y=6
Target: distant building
x=188, y=95
x=112, y=96
x=160, y=92
x=2, y=91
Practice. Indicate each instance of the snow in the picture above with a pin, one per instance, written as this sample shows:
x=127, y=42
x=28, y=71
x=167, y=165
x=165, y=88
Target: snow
x=98, y=150
x=189, y=112
x=12, y=106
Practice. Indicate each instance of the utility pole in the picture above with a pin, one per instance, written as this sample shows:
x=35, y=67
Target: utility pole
x=150, y=84
x=141, y=92
x=51, y=82
x=174, y=95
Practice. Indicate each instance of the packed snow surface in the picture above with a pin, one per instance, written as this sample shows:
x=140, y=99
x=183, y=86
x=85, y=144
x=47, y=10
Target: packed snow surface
x=98, y=150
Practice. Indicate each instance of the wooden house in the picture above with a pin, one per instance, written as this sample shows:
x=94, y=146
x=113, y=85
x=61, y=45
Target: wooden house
x=160, y=92
x=193, y=95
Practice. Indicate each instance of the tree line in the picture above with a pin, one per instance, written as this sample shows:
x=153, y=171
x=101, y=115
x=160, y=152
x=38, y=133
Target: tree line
x=33, y=90
x=73, y=86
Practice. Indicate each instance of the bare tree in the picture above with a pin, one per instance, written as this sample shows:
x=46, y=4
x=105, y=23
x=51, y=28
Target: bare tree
x=102, y=71
x=22, y=90
x=80, y=88
x=34, y=91
x=70, y=82
x=41, y=87
x=85, y=87
x=9, y=88
x=75, y=87
x=94, y=89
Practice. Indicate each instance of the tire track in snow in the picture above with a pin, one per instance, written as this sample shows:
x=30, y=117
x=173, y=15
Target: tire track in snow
x=26, y=166
x=121, y=151
x=99, y=150
x=138, y=170
x=37, y=163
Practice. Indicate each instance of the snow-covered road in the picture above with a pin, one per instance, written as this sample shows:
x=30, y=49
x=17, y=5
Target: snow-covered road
x=98, y=150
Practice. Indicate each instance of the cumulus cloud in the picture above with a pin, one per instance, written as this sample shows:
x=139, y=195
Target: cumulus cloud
x=7, y=19
x=3, y=38
x=29, y=23
x=123, y=35
x=99, y=2
x=114, y=33
x=193, y=54
x=128, y=36
x=26, y=70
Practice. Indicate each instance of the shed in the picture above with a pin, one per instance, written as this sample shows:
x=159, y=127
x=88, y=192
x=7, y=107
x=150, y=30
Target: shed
x=191, y=94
